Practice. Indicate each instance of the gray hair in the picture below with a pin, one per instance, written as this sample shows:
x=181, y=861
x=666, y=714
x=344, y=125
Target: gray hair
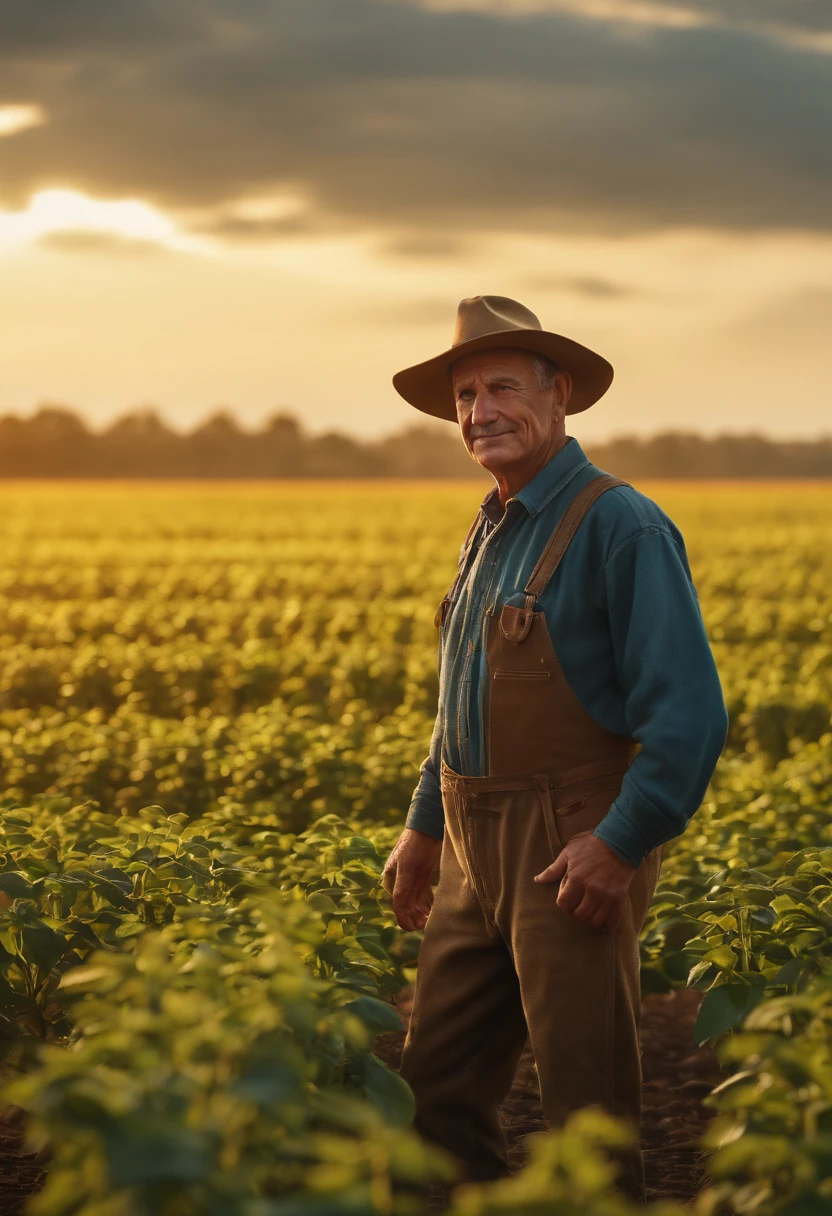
x=545, y=370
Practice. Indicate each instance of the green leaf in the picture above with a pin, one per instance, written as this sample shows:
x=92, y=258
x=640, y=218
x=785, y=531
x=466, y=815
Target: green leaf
x=377, y=1016
x=387, y=1091
x=117, y=877
x=11, y=999
x=676, y=966
x=722, y=957
x=15, y=884
x=84, y=975
x=113, y=894
x=790, y=972
x=754, y=896
x=18, y=819
x=130, y=927
x=42, y=946
x=141, y=1150
x=724, y=1008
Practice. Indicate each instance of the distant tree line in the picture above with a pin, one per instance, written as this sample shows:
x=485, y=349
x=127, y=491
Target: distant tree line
x=56, y=442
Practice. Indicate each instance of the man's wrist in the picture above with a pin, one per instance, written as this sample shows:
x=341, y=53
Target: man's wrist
x=428, y=820
x=421, y=832
x=615, y=849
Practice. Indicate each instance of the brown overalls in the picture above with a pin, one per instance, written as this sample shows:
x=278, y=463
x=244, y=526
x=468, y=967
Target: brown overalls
x=498, y=954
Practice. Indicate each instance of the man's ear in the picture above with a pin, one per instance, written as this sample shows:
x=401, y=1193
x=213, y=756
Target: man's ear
x=558, y=408
x=562, y=386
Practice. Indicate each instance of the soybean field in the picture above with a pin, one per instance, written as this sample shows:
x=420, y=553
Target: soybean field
x=213, y=704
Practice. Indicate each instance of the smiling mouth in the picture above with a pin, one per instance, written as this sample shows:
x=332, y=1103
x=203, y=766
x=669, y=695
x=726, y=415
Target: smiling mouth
x=498, y=435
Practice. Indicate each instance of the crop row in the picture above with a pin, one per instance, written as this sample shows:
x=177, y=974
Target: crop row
x=212, y=709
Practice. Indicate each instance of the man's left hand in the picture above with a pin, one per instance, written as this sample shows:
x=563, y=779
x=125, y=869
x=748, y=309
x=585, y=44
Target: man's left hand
x=595, y=884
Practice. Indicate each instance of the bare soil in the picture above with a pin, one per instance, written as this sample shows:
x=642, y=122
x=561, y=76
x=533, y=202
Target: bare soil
x=20, y=1175
x=677, y=1076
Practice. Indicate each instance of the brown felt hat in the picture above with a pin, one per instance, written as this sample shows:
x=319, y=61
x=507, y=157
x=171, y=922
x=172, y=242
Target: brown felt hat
x=485, y=321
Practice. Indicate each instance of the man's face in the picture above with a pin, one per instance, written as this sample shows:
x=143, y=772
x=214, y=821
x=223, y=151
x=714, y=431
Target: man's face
x=504, y=415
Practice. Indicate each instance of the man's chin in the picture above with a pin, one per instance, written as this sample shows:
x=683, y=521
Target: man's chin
x=494, y=453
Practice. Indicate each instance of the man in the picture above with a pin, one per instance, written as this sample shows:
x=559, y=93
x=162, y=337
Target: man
x=580, y=719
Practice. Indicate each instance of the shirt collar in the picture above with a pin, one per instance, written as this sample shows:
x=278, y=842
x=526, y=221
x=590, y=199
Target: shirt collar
x=542, y=488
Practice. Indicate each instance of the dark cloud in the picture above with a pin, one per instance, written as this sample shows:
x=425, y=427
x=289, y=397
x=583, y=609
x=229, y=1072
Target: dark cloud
x=240, y=228
x=812, y=16
x=590, y=286
x=71, y=241
x=431, y=244
x=434, y=125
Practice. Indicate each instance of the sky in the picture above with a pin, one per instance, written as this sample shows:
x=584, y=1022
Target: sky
x=267, y=205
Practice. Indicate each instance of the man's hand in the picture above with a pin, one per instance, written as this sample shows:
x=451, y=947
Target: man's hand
x=407, y=876
x=596, y=883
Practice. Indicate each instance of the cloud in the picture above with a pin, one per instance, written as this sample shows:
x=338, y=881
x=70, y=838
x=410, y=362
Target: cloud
x=68, y=218
x=237, y=228
x=779, y=19
x=431, y=245
x=592, y=287
x=429, y=125
x=21, y=117
x=109, y=243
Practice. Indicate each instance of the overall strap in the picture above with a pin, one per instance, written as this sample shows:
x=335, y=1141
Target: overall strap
x=515, y=623
x=568, y=525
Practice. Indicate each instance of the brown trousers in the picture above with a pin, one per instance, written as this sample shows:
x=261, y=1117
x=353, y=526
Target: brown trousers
x=575, y=988
x=499, y=957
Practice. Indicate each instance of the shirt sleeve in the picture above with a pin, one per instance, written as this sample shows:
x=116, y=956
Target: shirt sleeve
x=427, y=813
x=673, y=702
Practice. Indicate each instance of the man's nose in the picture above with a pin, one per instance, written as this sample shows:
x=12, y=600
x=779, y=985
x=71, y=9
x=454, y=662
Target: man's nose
x=485, y=409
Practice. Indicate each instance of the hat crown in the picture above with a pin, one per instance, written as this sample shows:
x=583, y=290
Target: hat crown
x=478, y=316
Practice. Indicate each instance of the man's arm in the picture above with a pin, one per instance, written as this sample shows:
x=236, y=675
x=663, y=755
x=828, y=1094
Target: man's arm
x=410, y=866
x=673, y=706
x=673, y=700
x=426, y=813
x=408, y=870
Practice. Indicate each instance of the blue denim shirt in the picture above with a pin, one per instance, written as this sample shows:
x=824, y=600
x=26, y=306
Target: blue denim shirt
x=626, y=625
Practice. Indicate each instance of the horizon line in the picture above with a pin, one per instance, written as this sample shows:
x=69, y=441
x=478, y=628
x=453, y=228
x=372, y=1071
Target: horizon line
x=425, y=422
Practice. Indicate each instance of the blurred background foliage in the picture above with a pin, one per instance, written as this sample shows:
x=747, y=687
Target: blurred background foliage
x=55, y=441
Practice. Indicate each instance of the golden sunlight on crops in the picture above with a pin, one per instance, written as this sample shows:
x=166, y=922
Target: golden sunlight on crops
x=213, y=704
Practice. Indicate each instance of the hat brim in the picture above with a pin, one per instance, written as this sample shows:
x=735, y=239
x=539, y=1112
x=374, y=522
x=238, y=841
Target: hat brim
x=427, y=386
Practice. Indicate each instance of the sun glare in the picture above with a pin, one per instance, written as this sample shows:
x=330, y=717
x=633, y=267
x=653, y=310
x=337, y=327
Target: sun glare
x=52, y=212
x=14, y=119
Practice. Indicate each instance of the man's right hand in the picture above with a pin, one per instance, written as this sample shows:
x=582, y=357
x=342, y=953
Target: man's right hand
x=407, y=877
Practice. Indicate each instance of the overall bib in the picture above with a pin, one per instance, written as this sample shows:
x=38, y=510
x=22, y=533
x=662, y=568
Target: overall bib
x=498, y=956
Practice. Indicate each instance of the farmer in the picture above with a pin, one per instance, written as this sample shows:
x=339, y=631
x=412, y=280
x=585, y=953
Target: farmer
x=580, y=718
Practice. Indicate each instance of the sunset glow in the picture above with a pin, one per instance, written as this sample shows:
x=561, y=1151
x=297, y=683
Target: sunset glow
x=69, y=211
x=14, y=119
x=292, y=213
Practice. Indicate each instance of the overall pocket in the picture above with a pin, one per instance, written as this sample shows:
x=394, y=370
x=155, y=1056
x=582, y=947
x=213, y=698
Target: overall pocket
x=575, y=813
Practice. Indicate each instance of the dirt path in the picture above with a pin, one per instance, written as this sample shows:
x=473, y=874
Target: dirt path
x=677, y=1076
x=20, y=1176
